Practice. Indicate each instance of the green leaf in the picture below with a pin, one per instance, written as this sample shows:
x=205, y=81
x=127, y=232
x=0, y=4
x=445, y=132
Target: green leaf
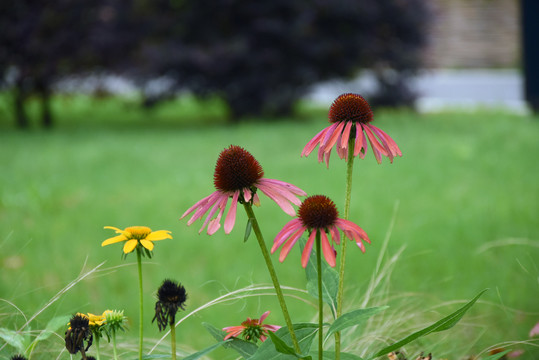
x=353, y=318
x=330, y=355
x=441, y=325
x=13, y=338
x=207, y=350
x=245, y=348
x=305, y=333
x=281, y=346
x=53, y=325
x=330, y=281
x=248, y=228
x=160, y=356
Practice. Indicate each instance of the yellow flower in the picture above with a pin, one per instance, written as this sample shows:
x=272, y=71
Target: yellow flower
x=95, y=320
x=134, y=235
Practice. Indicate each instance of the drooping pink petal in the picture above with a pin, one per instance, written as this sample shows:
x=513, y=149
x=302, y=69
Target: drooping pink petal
x=203, y=206
x=327, y=136
x=308, y=248
x=198, y=204
x=353, y=228
x=230, y=219
x=293, y=189
x=247, y=194
x=313, y=142
x=280, y=188
x=291, y=227
x=335, y=235
x=391, y=143
x=290, y=243
x=361, y=142
x=215, y=224
x=256, y=200
x=377, y=148
x=329, y=254
x=384, y=142
x=278, y=198
x=219, y=202
x=346, y=135
x=334, y=136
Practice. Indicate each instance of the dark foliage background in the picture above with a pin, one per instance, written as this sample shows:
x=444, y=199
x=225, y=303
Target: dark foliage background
x=259, y=57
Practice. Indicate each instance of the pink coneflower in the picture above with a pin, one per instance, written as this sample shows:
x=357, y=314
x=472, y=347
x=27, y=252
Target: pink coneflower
x=317, y=214
x=350, y=115
x=251, y=329
x=238, y=175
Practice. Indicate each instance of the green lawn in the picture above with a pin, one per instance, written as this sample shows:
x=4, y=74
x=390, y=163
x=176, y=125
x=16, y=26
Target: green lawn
x=464, y=199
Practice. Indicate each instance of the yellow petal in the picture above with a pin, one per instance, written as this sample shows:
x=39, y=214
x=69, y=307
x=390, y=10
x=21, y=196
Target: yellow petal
x=113, y=240
x=114, y=228
x=147, y=244
x=159, y=235
x=130, y=246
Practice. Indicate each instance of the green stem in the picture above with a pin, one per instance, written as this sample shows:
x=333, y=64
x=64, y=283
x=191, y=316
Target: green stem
x=141, y=311
x=173, y=339
x=348, y=195
x=273, y=274
x=320, y=300
x=114, y=345
x=97, y=348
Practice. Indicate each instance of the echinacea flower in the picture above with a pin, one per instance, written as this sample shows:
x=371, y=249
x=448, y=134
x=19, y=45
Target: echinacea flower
x=171, y=297
x=317, y=214
x=135, y=235
x=77, y=334
x=251, y=329
x=351, y=116
x=238, y=175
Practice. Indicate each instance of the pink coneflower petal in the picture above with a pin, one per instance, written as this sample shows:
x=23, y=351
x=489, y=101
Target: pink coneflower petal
x=231, y=216
x=290, y=243
x=361, y=142
x=390, y=143
x=247, y=194
x=374, y=141
x=333, y=138
x=313, y=142
x=219, y=204
x=291, y=227
x=307, y=250
x=329, y=253
x=346, y=135
x=327, y=136
x=278, y=198
x=293, y=189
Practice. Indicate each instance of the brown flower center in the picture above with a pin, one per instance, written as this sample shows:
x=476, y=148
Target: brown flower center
x=318, y=212
x=350, y=107
x=138, y=232
x=236, y=169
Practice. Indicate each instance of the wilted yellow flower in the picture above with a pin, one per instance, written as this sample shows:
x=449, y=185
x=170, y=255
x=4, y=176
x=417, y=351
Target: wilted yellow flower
x=135, y=235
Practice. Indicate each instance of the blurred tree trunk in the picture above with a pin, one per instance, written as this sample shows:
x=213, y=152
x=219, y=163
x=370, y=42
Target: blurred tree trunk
x=19, y=95
x=46, y=113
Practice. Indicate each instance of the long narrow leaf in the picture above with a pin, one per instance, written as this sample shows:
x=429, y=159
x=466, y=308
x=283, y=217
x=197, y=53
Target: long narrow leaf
x=353, y=318
x=443, y=324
